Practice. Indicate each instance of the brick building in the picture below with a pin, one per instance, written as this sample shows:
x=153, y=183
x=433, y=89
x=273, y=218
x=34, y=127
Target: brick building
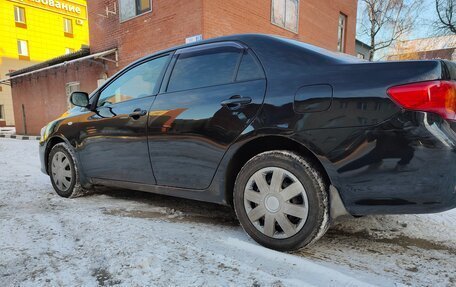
x=125, y=30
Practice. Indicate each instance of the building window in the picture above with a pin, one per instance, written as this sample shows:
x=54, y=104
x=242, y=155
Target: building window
x=341, y=32
x=19, y=15
x=360, y=56
x=68, y=27
x=2, y=112
x=133, y=8
x=69, y=51
x=22, y=49
x=285, y=14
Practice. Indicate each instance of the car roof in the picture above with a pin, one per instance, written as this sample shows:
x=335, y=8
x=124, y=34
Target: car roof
x=274, y=40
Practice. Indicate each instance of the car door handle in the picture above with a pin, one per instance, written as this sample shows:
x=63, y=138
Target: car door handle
x=137, y=113
x=235, y=102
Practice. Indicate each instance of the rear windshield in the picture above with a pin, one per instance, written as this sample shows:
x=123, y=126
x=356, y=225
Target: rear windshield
x=335, y=55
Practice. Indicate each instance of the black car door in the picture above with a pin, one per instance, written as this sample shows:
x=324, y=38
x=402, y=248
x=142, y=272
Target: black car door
x=114, y=136
x=213, y=92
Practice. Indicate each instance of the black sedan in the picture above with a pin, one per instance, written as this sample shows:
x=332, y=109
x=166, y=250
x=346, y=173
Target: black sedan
x=291, y=135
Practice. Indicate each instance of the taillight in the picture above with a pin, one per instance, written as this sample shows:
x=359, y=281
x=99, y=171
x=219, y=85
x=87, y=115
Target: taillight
x=434, y=96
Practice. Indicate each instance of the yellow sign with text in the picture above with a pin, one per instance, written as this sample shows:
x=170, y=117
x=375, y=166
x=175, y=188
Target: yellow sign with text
x=65, y=7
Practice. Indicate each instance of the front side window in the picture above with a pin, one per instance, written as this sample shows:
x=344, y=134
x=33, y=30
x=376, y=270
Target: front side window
x=22, y=48
x=204, y=68
x=341, y=33
x=19, y=14
x=138, y=82
x=132, y=8
x=67, y=26
x=285, y=14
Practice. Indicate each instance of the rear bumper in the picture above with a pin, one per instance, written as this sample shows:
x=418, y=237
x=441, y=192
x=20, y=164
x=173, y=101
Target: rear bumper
x=406, y=165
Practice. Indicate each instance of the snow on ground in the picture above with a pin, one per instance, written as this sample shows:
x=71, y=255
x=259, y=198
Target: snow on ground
x=135, y=239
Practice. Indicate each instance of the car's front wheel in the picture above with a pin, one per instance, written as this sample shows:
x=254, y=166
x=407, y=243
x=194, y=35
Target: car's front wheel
x=281, y=200
x=63, y=171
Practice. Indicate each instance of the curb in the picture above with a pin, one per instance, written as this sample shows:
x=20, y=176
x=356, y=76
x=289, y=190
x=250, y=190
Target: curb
x=20, y=137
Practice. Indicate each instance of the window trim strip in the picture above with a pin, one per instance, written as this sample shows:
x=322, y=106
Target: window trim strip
x=209, y=46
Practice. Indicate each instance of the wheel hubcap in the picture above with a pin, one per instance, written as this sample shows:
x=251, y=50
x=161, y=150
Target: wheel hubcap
x=272, y=203
x=276, y=202
x=61, y=171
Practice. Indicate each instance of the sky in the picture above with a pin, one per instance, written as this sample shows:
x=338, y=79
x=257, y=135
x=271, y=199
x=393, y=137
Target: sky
x=423, y=27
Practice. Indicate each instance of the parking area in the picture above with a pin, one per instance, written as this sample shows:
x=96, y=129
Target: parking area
x=119, y=237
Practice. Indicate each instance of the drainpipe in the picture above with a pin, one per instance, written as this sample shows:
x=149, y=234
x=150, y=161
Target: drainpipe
x=24, y=120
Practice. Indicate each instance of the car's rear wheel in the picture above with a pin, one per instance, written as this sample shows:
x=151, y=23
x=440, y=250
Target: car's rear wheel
x=281, y=200
x=63, y=171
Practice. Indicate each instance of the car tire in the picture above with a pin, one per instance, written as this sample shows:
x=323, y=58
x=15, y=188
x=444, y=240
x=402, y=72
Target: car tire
x=64, y=172
x=281, y=200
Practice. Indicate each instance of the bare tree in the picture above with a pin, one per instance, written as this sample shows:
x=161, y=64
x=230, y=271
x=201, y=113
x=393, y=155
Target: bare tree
x=446, y=14
x=386, y=21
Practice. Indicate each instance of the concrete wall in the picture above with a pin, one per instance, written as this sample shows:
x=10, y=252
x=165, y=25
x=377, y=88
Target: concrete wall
x=362, y=50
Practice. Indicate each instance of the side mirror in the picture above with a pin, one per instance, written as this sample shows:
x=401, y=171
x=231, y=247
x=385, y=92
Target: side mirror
x=80, y=99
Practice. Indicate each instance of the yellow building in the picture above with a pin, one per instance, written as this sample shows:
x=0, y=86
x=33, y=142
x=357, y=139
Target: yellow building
x=32, y=31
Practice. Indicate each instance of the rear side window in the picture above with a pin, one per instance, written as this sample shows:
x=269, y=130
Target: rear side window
x=249, y=69
x=204, y=68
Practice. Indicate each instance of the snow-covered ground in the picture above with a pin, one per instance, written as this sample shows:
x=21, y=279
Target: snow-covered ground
x=136, y=239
